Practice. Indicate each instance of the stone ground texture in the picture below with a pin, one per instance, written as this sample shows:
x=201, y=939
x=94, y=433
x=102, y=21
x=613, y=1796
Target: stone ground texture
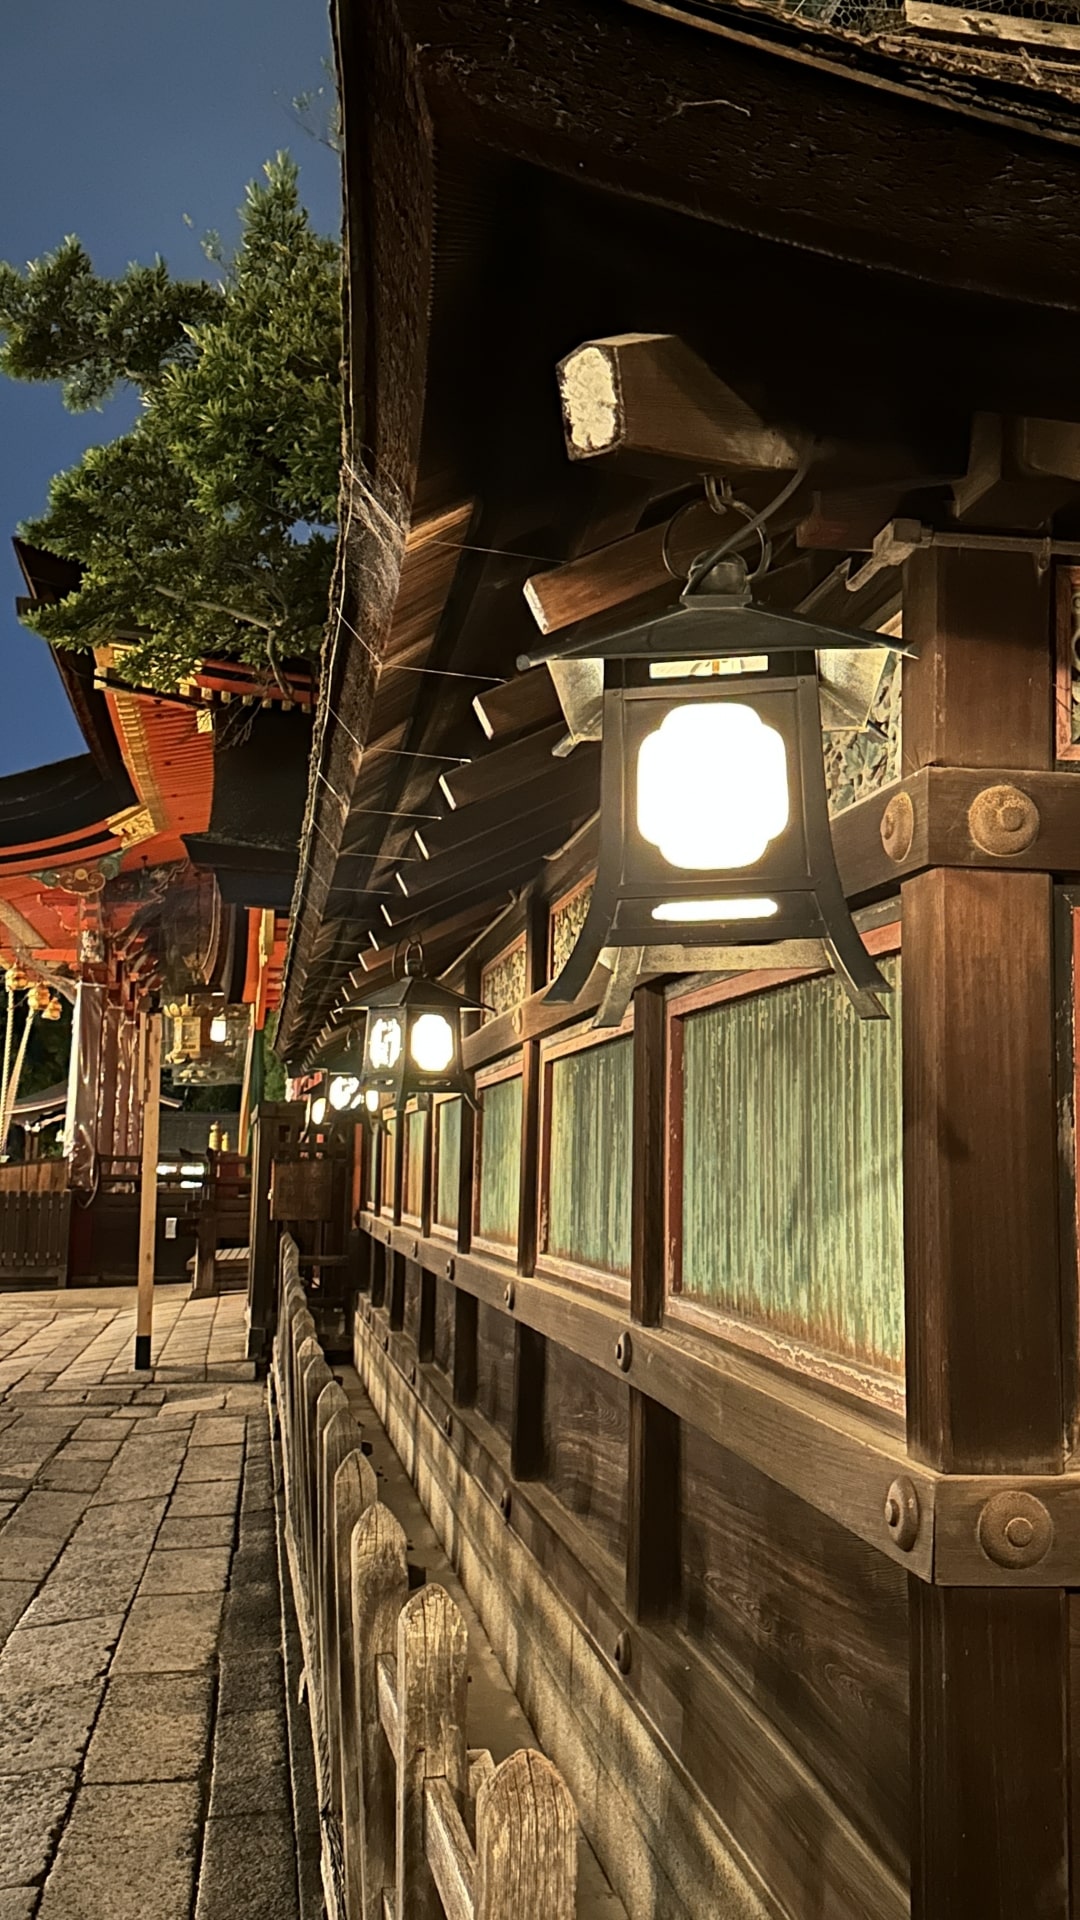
x=144, y=1760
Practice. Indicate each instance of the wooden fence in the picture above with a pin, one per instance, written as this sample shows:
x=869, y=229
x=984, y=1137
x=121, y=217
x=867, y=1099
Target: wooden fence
x=417, y=1826
x=35, y=1229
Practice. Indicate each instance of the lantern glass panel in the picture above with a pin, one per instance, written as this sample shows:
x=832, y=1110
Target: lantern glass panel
x=431, y=1042
x=318, y=1111
x=342, y=1088
x=706, y=910
x=219, y=1029
x=384, y=1043
x=712, y=786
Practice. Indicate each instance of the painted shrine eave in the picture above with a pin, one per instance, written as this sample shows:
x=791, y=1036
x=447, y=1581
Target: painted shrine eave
x=60, y=805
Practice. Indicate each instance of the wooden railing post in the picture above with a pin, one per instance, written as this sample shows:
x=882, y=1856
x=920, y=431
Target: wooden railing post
x=432, y=1677
x=380, y=1588
x=338, y=1438
x=526, y=1842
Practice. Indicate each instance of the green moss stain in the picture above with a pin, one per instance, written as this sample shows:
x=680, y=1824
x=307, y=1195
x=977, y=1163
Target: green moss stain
x=589, y=1184
x=792, y=1192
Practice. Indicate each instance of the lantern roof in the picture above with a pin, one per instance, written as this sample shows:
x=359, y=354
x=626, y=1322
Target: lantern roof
x=716, y=618
x=415, y=991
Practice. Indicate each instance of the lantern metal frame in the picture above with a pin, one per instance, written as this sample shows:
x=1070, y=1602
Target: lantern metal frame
x=405, y=1001
x=773, y=671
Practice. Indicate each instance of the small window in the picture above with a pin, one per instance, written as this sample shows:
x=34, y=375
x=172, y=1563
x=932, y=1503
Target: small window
x=588, y=1095
x=499, y=1152
x=785, y=1187
x=413, y=1176
x=447, y=1162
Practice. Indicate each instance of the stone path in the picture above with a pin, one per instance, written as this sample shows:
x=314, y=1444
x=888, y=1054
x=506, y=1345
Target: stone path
x=144, y=1763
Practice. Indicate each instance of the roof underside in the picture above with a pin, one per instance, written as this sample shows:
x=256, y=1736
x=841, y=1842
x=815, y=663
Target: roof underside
x=807, y=230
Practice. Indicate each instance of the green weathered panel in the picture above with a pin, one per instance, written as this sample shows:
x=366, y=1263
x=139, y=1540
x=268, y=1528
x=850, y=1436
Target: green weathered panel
x=792, y=1196
x=414, y=1163
x=448, y=1161
x=589, y=1184
x=500, y=1159
x=388, y=1149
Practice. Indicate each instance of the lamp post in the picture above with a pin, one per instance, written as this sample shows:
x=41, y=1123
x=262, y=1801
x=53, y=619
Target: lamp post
x=714, y=824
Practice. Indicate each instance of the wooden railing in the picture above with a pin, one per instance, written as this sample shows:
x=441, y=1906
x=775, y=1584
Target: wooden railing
x=417, y=1826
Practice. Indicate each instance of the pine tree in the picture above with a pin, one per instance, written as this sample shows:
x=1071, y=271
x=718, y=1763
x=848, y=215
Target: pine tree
x=207, y=530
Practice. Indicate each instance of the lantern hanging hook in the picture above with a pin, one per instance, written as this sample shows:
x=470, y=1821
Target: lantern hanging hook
x=414, y=958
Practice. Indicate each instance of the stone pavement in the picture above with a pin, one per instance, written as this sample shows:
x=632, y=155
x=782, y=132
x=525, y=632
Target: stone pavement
x=144, y=1762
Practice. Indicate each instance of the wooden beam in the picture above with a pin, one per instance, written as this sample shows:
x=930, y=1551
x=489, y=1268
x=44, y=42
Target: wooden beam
x=510, y=812
x=503, y=768
x=151, y=1134
x=624, y=571
x=648, y=393
x=518, y=706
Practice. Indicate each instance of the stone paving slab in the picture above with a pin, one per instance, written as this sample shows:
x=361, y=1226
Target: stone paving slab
x=186, y=1570
x=151, y=1727
x=62, y=1655
x=32, y=1810
x=128, y=1853
x=140, y=1644
x=46, y=1728
x=170, y=1635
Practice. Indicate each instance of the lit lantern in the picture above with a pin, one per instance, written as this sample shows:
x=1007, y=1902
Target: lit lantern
x=317, y=1111
x=714, y=824
x=219, y=1029
x=342, y=1091
x=54, y=1010
x=412, y=1039
x=38, y=997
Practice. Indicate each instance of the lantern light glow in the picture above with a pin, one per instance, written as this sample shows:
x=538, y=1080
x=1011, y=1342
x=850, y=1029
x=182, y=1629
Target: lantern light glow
x=431, y=1042
x=318, y=1111
x=219, y=1029
x=718, y=910
x=384, y=1044
x=712, y=787
x=342, y=1088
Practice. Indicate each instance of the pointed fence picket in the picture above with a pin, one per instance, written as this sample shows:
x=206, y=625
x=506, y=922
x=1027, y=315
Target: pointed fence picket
x=416, y=1826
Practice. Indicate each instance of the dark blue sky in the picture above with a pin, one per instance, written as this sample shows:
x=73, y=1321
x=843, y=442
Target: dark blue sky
x=117, y=119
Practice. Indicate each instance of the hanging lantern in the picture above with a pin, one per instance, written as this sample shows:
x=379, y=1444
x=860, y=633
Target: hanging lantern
x=342, y=1091
x=54, y=1010
x=38, y=997
x=714, y=824
x=412, y=1038
x=16, y=978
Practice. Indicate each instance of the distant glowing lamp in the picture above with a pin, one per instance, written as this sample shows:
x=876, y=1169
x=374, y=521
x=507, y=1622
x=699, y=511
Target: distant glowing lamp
x=318, y=1111
x=219, y=1029
x=342, y=1091
x=412, y=1039
x=714, y=824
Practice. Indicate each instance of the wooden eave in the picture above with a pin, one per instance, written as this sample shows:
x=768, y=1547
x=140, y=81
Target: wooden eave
x=735, y=173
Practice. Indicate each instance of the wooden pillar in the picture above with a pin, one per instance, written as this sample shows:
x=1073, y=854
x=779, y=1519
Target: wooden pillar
x=144, y=1317
x=652, y=1548
x=530, y=1347
x=985, y=1357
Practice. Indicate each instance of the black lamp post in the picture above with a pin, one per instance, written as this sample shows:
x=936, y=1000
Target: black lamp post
x=714, y=824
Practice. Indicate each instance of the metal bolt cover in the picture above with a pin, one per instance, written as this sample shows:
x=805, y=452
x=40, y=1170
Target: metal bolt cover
x=902, y=1513
x=1003, y=820
x=898, y=826
x=450, y=1269
x=624, y=1351
x=412, y=1374
x=448, y=1425
x=1015, y=1530
x=506, y=1503
x=509, y=1296
x=624, y=1652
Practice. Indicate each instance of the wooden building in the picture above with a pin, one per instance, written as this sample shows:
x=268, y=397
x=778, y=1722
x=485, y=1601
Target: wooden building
x=732, y=1350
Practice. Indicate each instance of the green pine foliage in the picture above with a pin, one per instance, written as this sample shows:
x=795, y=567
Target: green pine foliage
x=207, y=530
